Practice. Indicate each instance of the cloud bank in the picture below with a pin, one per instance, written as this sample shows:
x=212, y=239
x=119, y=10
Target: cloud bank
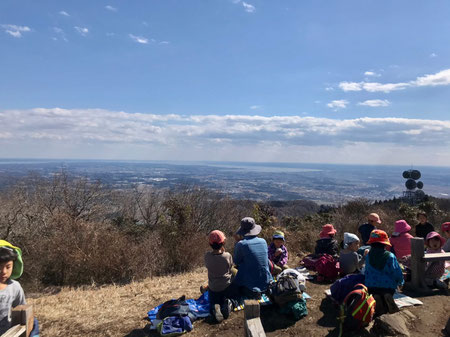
x=96, y=133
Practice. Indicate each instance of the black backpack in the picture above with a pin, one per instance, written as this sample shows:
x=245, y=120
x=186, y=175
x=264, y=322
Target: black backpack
x=285, y=289
x=178, y=307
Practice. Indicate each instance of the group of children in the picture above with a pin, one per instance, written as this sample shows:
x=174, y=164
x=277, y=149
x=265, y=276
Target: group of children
x=378, y=258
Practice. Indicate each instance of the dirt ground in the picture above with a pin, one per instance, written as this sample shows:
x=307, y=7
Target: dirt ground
x=121, y=311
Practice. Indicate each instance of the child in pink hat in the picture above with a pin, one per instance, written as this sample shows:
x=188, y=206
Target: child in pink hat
x=401, y=239
x=435, y=269
x=327, y=244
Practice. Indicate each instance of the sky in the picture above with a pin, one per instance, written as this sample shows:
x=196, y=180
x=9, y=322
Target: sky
x=348, y=81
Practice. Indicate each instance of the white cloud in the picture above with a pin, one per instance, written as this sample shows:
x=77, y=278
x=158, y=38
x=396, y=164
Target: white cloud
x=138, y=39
x=111, y=8
x=64, y=13
x=338, y=104
x=96, y=133
x=371, y=73
x=375, y=102
x=255, y=107
x=164, y=42
x=329, y=89
x=248, y=7
x=83, y=31
x=432, y=55
x=440, y=78
x=15, y=31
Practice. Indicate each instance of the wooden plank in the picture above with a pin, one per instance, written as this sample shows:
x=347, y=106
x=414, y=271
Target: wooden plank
x=15, y=331
x=23, y=315
x=254, y=328
x=417, y=264
x=251, y=309
x=436, y=257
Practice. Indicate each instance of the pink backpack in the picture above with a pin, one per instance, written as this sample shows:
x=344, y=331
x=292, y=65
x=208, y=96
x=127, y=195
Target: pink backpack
x=327, y=268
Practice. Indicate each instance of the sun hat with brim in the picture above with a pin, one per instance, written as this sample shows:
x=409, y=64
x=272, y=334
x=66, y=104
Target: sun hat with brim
x=327, y=230
x=374, y=217
x=278, y=235
x=377, y=235
x=401, y=226
x=445, y=226
x=216, y=236
x=248, y=227
x=18, y=264
x=431, y=235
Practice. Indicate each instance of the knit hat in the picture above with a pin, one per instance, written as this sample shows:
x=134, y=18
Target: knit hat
x=278, y=235
x=435, y=235
x=327, y=230
x=249, y=227
x=377, y=235
x=401, y=226
x=445, y=226
x=349, y=238
x=18, y=264
x=216, y=236
x=374, y=217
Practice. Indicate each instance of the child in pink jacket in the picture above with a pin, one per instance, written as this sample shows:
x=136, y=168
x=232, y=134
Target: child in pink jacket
x=401, y=239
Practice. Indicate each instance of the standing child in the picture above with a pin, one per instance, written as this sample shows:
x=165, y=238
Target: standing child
x=278, y=254
x=401, y=239
x=383, y=273
x=350, y=261
x=219, y=264
x=11, y=293
x=435, y=269
x=327, y=244
x=445, y=228
x=423, y=227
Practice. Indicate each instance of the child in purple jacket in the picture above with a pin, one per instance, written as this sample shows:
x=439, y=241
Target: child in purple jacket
x=278, y=254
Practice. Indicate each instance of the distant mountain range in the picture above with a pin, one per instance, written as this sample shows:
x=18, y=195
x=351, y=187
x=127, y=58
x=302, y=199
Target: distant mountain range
x=323, y=183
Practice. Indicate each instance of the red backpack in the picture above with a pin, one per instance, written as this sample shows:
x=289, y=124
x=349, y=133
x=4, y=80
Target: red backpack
x=357, y=310
x=327, y=268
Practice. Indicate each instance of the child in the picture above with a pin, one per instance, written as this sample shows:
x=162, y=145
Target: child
x=278, y=254
x=383, y=273
x=327, y=244
x=350, y=261
x=445, y=228
x=219, y=264
x=435, y=269
x=11, y=293
x=401, y=239
x=373, y=220
x=423, y=227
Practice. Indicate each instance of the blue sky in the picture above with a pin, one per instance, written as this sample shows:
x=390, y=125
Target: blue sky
x=289, y=80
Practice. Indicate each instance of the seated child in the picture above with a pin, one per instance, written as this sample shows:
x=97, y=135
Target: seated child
x=219, y=264
x=350, y=261
x=445, y=228
x=327, y=244
x=278, y=254
x=11, y=293
x=401, y=239
x=435, y=269
x=383, y=273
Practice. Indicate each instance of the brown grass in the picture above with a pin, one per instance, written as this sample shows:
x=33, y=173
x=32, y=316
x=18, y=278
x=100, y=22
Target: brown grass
x=111, y=310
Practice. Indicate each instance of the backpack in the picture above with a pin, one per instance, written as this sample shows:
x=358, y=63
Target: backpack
x=178, y=307
x=174, y=326
x=357, y=310
x=327, y=268
x=285, y=289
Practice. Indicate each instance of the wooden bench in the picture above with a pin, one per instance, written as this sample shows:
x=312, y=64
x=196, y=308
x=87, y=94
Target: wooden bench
x=22, y=320
x=418, y=263
x=252, y=325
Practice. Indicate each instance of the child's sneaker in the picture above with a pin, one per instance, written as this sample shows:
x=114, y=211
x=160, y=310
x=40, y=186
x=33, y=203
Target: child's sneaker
x=227, y=308
x=217, y=313
x=440, y=285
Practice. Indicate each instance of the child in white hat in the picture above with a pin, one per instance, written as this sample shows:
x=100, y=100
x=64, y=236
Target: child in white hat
x=349, y=260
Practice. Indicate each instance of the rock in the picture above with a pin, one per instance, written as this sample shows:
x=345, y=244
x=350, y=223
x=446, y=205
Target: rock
x=393, y=324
